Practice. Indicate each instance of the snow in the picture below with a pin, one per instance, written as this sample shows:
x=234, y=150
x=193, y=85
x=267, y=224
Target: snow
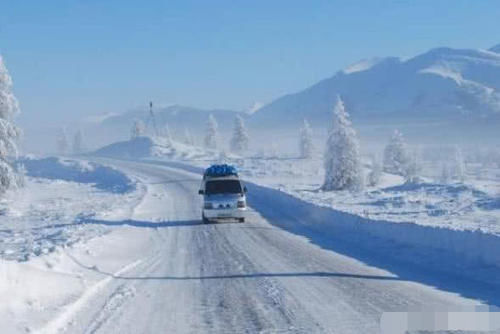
x=48, y=211
x=306, y=146
x=146, y=264
x=145, y=147
x=342, y=162
x=438, y=226
x=240, y=139
x=44, y=294
x=211, y=134
x=9, y=132
x=117, y=245
x=445, y=72
x=469, y=206
x=455, y=206
x=362, y=65
x=81, y=171
x=255, y=107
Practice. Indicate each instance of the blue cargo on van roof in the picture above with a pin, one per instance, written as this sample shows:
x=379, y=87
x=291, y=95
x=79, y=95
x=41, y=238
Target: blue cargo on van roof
x=220, y=170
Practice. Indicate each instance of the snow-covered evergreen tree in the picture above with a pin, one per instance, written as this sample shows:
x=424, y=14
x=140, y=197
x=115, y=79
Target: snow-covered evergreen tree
x=9, y=133
x=272, y=150
x=412, y=168
x=459, y=168
x=223, y=158
x=396, y=156
x=239, y=142
x=188, y=138
x=62, y=141
x=165, y=133
x=138, y=129
x=211, y=135
x=78, y=142
x=306, y=143
x=445, y=174
x=341, y=161
x=375, y=172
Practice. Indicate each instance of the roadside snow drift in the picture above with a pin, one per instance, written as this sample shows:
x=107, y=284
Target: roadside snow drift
x=46, y=213
x=145, y=147
x=102, y=177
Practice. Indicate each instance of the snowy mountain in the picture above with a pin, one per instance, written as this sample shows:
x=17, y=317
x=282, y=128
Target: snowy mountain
x=442, y=83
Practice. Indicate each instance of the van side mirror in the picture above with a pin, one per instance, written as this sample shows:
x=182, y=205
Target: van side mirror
x=245, y=189
x=200, y=192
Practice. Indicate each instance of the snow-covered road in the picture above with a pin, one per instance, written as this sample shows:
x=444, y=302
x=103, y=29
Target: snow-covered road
x=232, y=278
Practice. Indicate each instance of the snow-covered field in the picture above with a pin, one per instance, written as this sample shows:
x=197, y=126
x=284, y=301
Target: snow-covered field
x=473, y=205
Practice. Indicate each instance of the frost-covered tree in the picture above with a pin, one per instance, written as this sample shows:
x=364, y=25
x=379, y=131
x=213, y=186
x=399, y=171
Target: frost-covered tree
x=375, y=172
x=165, y=133
x=138, y=129
x=62, y=141
x=445, y=174
x=306, y=144
x=411, y=170
x=459, y=168
x=341, y=161
x=396, y=156
x=188, y=138
x=9, y=133
x=272, y=151
x=223, y=157
x=239, y=142
x=211, y=135
x=78, y=146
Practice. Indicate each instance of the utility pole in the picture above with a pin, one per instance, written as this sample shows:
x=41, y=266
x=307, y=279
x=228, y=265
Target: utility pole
x=152, y=119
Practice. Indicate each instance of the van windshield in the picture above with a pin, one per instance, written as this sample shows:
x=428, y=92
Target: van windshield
x=223, y=187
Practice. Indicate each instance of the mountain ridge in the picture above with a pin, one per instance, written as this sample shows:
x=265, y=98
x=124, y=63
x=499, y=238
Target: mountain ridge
x=442, y=82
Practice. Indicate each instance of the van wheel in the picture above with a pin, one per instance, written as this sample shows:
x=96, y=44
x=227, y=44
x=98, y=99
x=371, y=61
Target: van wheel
x=205, y=219
x=241, y=220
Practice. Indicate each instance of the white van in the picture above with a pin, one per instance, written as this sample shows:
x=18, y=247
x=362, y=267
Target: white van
x=223, y=194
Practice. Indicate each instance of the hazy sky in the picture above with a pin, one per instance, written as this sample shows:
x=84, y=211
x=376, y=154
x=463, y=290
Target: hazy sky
x=74, y=58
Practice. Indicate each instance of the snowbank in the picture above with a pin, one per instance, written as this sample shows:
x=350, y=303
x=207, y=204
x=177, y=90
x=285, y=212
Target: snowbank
x=45, y=214
x=147, y=147
x=442, y=248
x=102, y=177
x=43, y=294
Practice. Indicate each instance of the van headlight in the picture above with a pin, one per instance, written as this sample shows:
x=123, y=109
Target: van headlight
x=208, y=205
x=241, y=204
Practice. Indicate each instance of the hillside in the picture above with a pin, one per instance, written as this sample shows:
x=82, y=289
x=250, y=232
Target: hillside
x=442, y=83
